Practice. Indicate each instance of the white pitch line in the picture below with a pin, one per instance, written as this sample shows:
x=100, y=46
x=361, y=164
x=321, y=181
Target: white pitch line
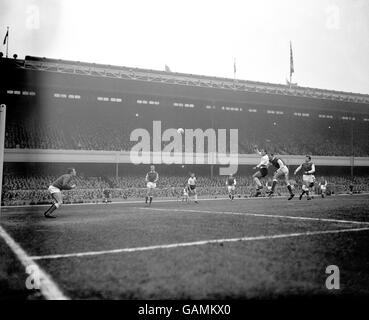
x=120, y=202
x=158, y=201
x=48, y=287
x=258, y=215
x=195, y=243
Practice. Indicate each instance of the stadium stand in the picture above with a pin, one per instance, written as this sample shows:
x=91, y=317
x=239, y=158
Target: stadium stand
x=18, y=190
x=81, y=106
x=284, y=134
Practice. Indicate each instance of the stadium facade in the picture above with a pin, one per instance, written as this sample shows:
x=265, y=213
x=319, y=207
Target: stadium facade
x=73, y=112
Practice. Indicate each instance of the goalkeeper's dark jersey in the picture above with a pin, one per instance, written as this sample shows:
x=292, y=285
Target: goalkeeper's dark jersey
x=62, y=183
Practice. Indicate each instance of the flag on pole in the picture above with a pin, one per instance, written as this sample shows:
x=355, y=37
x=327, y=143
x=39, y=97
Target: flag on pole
x=167, y=69
x=6, y=37
x=234, y=66
x=292, y=69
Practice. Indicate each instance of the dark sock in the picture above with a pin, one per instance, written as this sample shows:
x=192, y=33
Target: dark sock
x=289, y=189
x=147, y=198
x=273, y=185
x=150, y=199
x=303, y=192
x=51, y=209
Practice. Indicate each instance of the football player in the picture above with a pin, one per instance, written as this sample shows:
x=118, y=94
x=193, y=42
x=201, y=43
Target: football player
x=184, y=195
x=231, y=186
x=308, y=178
x=151, y=179
x=282, y=171
x=323, y=187
x=191, y=183
x=262, y=170
x=55, y=189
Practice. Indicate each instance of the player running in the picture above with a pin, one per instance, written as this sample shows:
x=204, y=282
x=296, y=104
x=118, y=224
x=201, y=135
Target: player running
x=62, y=183
x=231, y=186
x=308, y=179
x=282, y=170
x=191, y=185
x=151, y=178
x=263, y=170
x=323, y=187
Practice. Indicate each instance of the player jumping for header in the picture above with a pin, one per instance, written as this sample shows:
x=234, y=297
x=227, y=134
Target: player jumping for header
x=62, y=183
x=151, y=178
x=231, y=186
x=308, y=179
x=263, y=170
x=282, y=170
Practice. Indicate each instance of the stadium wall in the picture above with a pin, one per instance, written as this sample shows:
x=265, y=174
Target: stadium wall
x=62, y=75
x=81, y=156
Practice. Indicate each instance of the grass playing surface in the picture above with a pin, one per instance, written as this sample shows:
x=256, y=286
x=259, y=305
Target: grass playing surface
x=259, y=248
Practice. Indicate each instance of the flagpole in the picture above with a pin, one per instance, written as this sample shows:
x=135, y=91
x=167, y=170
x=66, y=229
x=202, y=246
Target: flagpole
x=234, y=72
x=7, y=41
x=290, y=79
x=292, y=69
x=290, y=64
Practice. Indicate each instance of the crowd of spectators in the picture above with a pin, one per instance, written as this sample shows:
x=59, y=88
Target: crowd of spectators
x=18, y=190
x=281, y=135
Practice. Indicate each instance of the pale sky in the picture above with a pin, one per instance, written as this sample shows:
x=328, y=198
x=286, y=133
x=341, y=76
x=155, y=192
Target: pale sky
x=330, y=38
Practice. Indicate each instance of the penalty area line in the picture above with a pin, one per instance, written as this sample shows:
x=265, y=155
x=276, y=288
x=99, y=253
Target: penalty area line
x=158, y=200
x=195, y=243
x=263, y=215
x=48, y=287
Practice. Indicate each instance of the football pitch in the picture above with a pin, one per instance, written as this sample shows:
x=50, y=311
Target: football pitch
x=217, y=249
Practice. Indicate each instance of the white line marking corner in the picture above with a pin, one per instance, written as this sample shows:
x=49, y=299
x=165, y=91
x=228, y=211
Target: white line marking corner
x=48, y=287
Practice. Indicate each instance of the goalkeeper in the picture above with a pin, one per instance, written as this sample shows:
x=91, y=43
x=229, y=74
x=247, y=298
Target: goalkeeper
x=62, y=183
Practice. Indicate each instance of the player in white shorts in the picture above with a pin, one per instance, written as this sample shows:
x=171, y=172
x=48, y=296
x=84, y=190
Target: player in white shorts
x=282, y=171
x=55, y=189
x=308, y=178
x=184, y=195
x=323, y=187
x=151, y=179
x=231, y=186
x=191, y=186
x=262, y=170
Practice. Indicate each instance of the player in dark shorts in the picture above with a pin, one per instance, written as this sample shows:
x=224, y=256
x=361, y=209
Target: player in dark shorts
x=263, y=170
x=106, y=196
x=62, y=183
x=151, y=178
x=351, y=188
x=282, y=170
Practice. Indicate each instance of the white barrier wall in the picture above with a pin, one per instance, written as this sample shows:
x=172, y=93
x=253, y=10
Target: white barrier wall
x=81, y=156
